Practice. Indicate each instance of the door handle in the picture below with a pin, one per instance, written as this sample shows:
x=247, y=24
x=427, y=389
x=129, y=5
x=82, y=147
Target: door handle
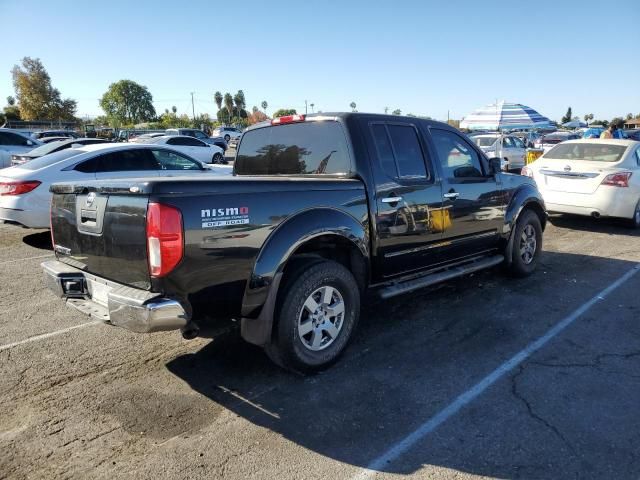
x=451, y=195
x=391, y=200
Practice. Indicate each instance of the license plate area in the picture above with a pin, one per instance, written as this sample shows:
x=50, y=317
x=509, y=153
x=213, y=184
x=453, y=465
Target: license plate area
x=99, y=292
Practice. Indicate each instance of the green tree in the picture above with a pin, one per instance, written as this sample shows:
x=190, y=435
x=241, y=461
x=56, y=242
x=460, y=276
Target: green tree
x=37, y=98
x=228, y=104
x=617, y=121
x=629, y=116
x=265, y=105
x=218, y=98
x=353, y=106
x=397, y=111
x=11, y=111
x=284, y=111
x=126, y=102
x=587, y=117
x=254, y=109
x=239, y=100
x=567, y=116
x=174, y=109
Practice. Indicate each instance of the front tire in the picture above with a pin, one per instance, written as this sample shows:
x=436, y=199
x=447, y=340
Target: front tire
x=526, y=245
x=319, y=310
x=217, y=158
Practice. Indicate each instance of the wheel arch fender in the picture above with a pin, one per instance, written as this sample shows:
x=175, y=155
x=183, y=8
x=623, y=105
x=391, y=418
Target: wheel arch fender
x=526, y=196
x=258, y=304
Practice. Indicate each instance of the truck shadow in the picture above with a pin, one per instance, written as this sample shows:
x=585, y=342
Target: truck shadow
x=412, y=356
x=41, y=240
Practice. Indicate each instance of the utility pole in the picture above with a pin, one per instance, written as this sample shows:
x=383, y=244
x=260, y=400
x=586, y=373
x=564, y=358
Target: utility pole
x=193, y=108
x=305, y=107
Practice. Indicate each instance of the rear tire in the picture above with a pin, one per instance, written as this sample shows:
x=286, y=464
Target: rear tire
x=526, y=245
x=217, y=158
x=634, y=222
x=319, y=310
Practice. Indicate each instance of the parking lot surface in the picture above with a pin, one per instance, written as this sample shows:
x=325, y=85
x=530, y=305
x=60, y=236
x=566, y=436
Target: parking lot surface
x=84, y=400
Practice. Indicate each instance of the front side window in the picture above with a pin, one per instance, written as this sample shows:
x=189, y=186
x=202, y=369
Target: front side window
x=9, y=138
x=457, y=157
x=127, y=160
x=306, y=148
x=174, y=161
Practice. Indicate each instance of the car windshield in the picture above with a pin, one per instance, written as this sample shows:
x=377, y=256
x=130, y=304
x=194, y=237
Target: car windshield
x=484, y=141
x=594, y=152
x=308, y=148
x=44, y=149
x=46, y=160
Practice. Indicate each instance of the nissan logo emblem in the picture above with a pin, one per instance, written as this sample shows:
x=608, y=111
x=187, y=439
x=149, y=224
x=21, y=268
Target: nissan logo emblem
x=567, y=168
x=90, y=199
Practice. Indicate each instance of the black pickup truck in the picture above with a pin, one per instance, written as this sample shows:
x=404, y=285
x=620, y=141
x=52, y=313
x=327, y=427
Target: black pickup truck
x=321, y=208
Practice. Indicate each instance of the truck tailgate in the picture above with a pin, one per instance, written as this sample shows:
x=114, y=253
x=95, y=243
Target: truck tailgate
x=103, y=234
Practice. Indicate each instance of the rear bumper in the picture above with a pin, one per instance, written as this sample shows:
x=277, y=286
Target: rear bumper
x=131, y=308
x=620, y=202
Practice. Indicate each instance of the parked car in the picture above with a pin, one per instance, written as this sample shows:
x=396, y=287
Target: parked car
x=547, y=142
x=227, y=133
x=509, y=148
x=198, y=149
x=597, y=178
x=321, y=208
x=632, y=134
x=14, y=142
x=55, y=133
x=51, y=147
x=218, y=141
x=144, y=138
x=53, y=139
x=24, y=189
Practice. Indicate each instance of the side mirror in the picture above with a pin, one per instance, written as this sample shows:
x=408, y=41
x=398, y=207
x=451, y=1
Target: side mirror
x=30, y=143
x=495, y=165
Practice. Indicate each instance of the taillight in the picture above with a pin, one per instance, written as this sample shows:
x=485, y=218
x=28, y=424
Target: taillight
x=620, y=179
x=165, y=245
x=527, y=172
x=18, y=188
x=287, y=119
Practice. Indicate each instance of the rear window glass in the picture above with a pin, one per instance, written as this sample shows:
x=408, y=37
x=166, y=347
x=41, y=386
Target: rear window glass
x=46, y=160
x=309, y=148
x=596, y=152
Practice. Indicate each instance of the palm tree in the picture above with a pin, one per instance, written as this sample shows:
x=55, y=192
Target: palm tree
x=353, y=106
x=312, y=105
x=228, y=104
x=264, y=105
x=174, y=109
x=218, y=98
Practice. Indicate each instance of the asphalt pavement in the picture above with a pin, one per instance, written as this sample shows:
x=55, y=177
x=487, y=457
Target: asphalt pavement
x=484, y=376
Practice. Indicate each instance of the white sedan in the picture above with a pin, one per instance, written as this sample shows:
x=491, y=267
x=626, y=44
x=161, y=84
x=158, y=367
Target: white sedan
x=191, y=146
x=509, y=148
x=598, y=178
x=24, y=189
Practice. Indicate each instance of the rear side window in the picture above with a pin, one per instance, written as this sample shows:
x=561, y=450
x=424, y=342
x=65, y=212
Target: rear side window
x=127, y=160
x=46, y=160
x=307, y=148
x=399, y=150
x=8, y=138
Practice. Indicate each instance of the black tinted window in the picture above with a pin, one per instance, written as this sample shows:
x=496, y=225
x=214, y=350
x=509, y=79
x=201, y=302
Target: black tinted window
x=306, y=148
x=8, y=138
x=127, y=160
x=193, y=142
x=88, y=166
x=399, y=150
x=176, y=141
x=174, y=161
x=457, y=157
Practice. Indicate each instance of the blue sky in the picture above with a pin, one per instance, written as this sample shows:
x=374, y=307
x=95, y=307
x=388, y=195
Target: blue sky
x=423, y=57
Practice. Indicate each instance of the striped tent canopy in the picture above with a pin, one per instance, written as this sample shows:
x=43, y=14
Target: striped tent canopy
x=504, y=116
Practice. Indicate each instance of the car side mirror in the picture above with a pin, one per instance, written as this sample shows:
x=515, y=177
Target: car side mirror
x=30, y=143
x=495, y=165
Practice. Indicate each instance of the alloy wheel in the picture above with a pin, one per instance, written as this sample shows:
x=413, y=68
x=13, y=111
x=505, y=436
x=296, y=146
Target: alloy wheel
x=321, y=318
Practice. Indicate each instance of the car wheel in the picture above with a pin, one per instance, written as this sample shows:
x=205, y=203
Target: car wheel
x=217, y=158
x=634, y=222
x=227, y=138
x=320, y=306
x=526, y=245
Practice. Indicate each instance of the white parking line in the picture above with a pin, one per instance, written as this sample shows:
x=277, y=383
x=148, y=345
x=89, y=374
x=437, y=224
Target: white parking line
x=47, y=335
x=28, y=258
x=403, y=445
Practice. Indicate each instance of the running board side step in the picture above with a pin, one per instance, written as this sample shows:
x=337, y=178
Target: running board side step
x=441, y=276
